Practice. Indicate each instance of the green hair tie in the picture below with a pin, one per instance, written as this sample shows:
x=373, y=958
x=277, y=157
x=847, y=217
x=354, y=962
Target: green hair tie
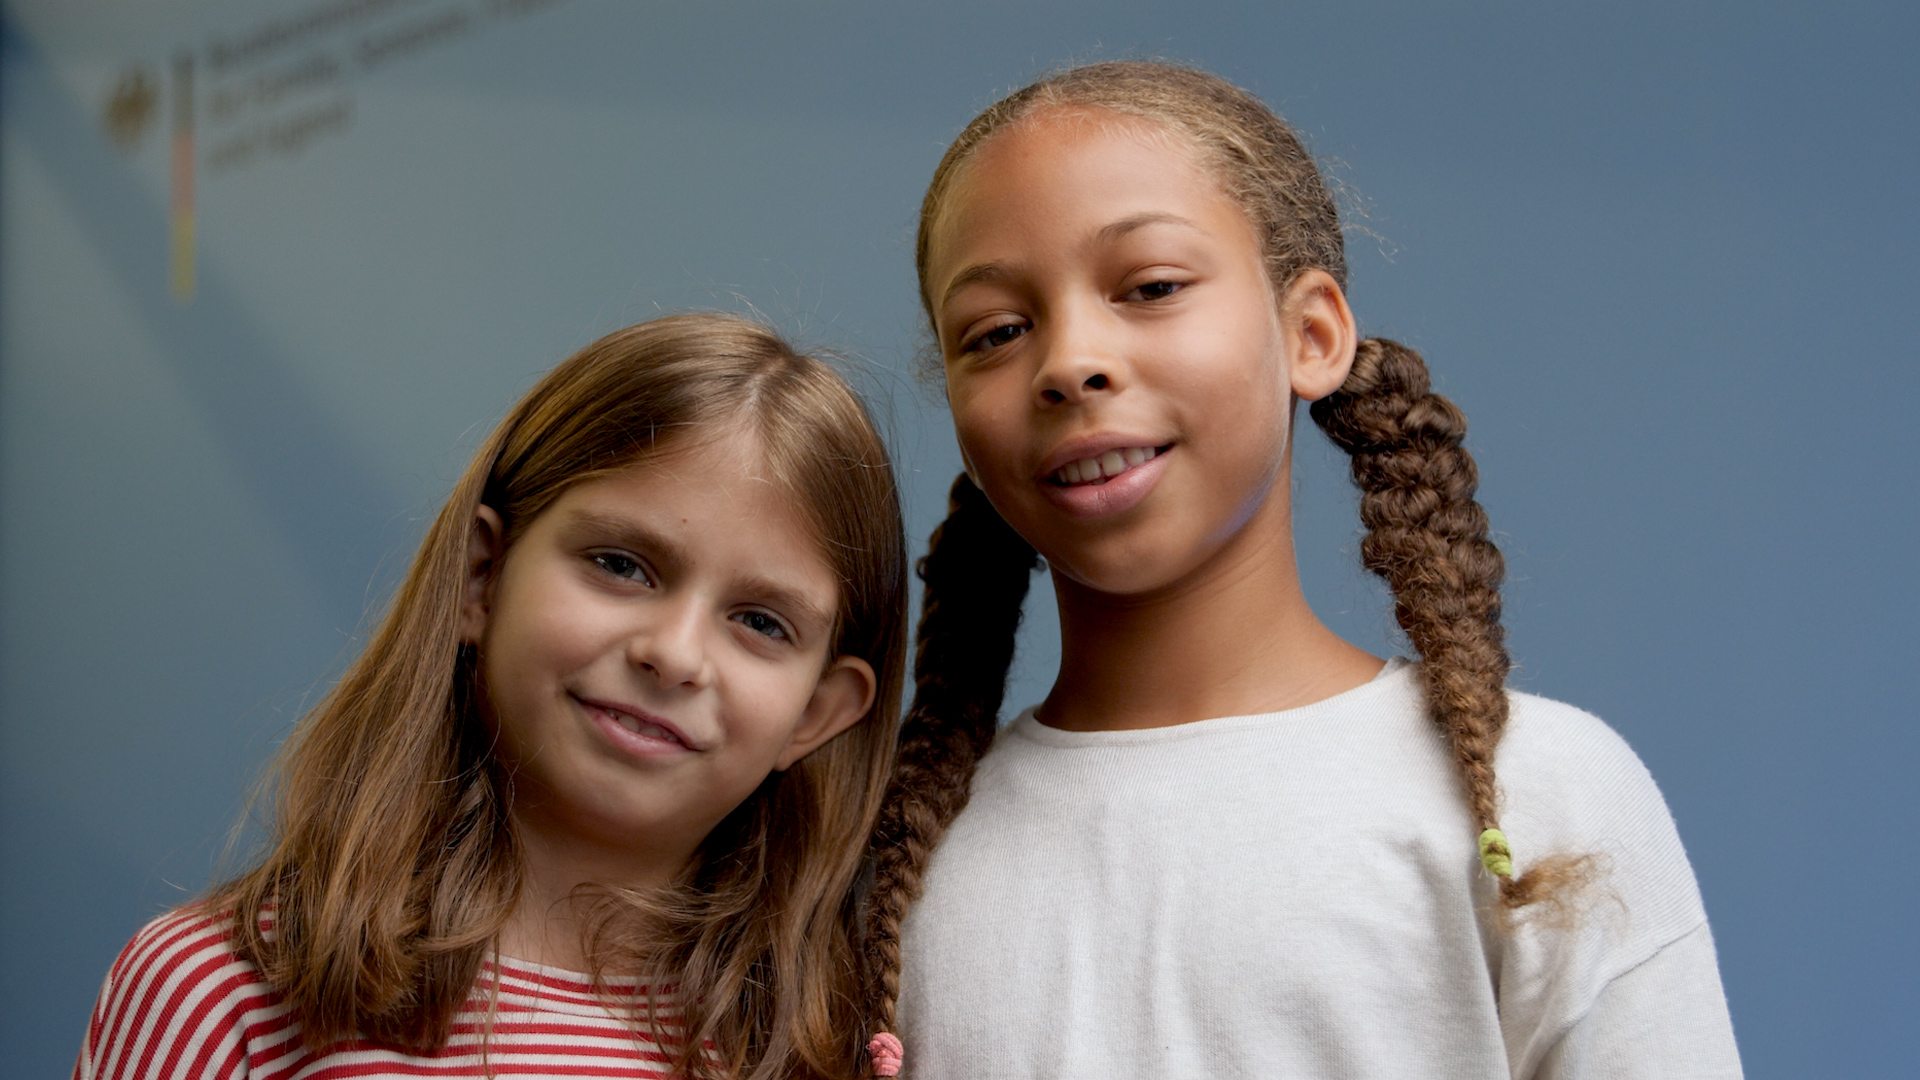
x=1495, y=855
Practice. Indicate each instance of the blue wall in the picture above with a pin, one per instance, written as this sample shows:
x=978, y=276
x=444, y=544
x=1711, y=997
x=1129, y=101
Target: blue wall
x=1661, y=255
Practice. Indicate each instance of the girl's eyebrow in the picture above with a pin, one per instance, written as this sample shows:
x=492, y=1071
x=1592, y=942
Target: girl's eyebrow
x=673, y=559
x=991, y=272
x=627, y=531
x=775, y=595
x=974, y=275
x=1114, y=231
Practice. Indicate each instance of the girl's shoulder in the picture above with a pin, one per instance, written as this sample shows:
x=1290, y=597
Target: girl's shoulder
x=189, y=926
x=176, y=1002
x=181, y=1003
x=1563, y=762
x=1570, y=785
x=186, y=950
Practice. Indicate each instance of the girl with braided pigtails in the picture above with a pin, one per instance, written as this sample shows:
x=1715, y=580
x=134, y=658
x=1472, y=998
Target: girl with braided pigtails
x=1229, y=843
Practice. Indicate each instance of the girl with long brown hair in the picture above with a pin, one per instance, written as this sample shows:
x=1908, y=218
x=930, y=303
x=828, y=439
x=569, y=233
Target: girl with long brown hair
x=1229, y=843
x=593, y=798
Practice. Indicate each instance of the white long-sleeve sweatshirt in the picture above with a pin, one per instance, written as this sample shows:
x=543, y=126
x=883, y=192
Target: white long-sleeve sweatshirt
x=1299, y=894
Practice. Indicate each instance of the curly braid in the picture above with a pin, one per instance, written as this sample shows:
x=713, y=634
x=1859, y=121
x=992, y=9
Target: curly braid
x=977, y=571
x=1427, y=536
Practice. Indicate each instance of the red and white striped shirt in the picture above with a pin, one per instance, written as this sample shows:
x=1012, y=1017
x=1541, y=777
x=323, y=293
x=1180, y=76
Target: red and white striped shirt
x=179, y=1004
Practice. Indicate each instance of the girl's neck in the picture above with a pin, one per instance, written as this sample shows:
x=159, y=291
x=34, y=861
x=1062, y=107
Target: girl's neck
x=1233, y=638
x=564, y=875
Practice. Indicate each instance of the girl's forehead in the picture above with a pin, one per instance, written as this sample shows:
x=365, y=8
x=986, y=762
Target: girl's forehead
x=725, y=470
x=1050, y=134
x=1058, y=161
x=724, y=497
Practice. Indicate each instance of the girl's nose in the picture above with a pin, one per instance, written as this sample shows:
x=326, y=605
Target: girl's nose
x=673, y=647
x=1077, y=362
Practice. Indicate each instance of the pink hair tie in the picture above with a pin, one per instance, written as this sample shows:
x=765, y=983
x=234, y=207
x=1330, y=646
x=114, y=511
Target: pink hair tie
x=886, y=1052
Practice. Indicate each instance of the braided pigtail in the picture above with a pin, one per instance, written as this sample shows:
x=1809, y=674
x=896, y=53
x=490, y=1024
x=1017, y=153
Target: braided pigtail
x=977, y=571
x=1427, y=536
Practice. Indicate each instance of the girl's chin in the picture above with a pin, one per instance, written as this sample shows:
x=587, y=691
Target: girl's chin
x=1118, y=568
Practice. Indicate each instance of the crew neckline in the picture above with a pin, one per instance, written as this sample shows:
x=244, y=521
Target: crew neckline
x=1028, y=726
x=513, y=965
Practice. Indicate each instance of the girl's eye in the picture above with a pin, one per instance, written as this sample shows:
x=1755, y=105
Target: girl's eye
x=1155, y=290
x=762, y=623
x=994, y=338
x=622, y=566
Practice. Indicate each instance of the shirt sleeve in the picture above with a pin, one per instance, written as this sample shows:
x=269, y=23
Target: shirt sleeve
x=1664, y=1018
x=1628, y=986
x=172, y=1008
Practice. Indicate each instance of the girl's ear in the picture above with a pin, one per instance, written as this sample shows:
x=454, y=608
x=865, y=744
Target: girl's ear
x=844, y=694
x=485, y=547
x=1320, y=334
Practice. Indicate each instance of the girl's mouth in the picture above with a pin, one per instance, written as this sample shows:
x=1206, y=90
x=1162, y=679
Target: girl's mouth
x=636, y=732
x=644, y=728
x=1103, y=467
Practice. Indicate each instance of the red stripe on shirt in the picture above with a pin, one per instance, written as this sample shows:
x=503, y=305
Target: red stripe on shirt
x=179, y=1003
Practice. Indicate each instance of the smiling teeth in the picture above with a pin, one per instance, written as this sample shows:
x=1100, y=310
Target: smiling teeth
x=1111, y=463
x=641, y=727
